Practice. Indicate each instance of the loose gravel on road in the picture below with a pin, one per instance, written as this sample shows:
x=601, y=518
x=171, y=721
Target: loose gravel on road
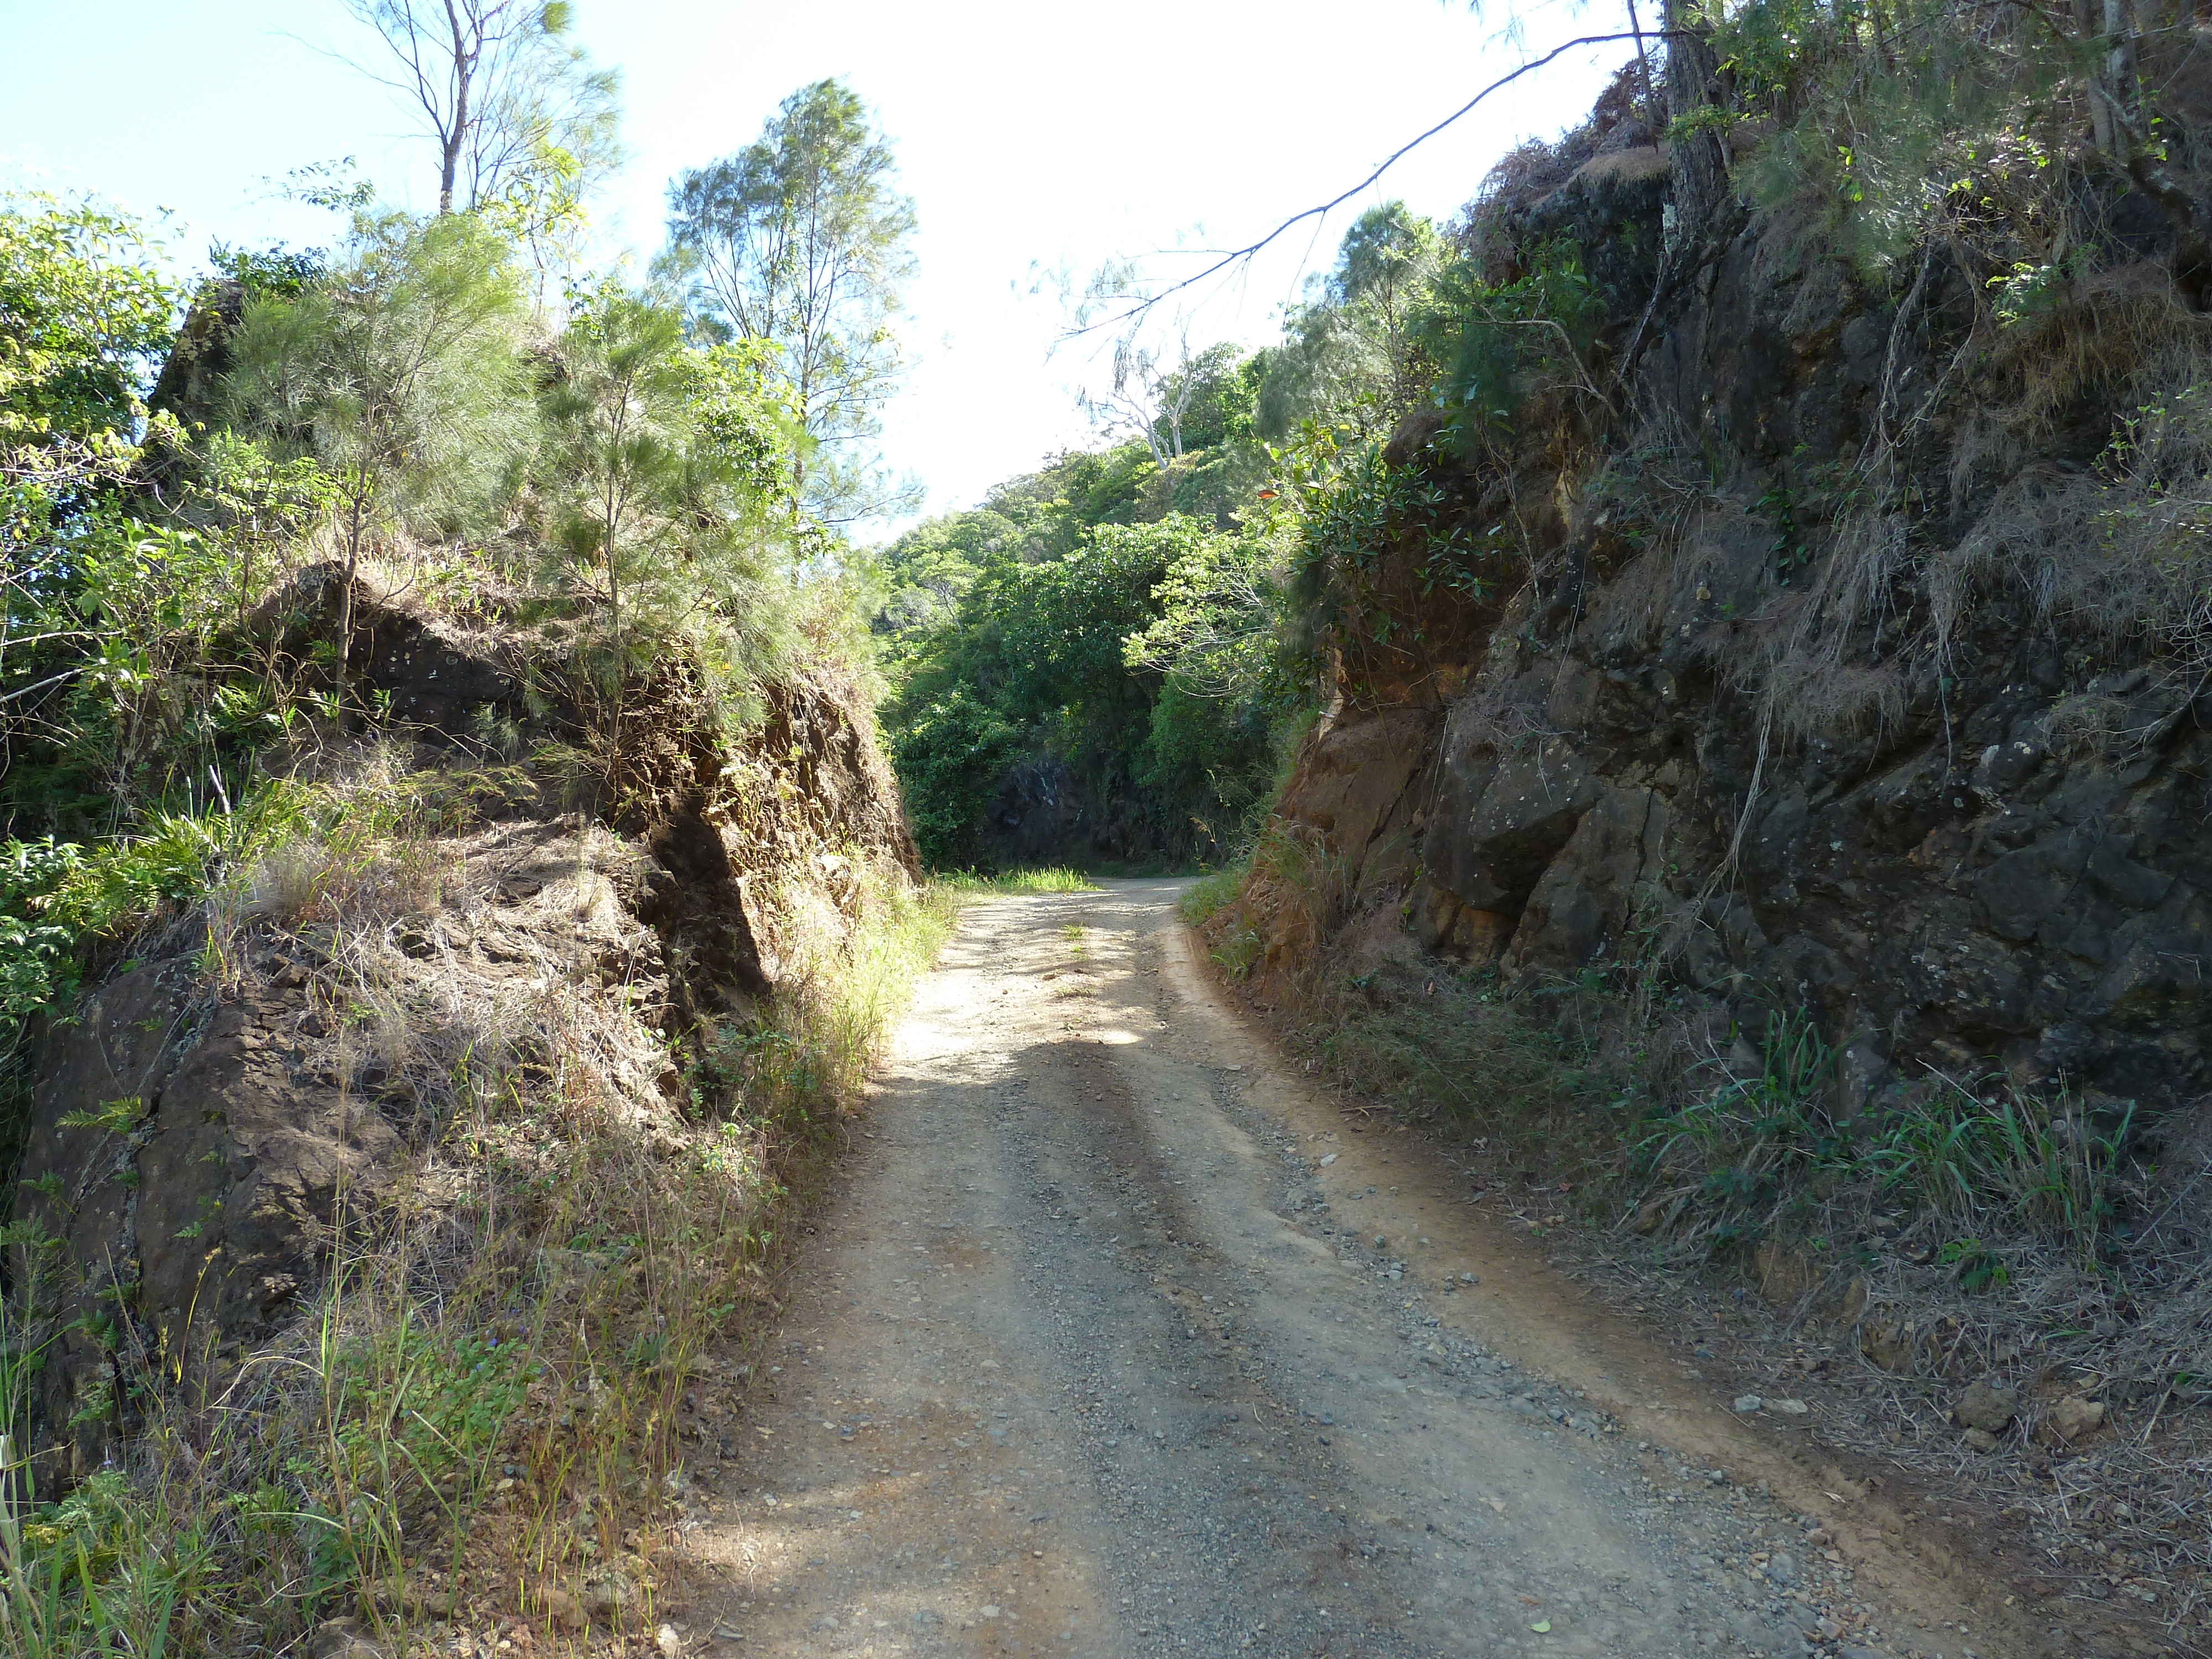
x=1119, y=1342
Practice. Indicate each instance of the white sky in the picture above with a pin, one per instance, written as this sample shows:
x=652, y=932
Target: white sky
x=1034, y=136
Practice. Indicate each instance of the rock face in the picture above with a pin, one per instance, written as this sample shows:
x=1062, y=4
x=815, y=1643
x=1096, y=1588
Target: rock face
x=191, y=382
x=238, y=1129
x=1898, y=764
x=200, y=1202
x=200, y=1136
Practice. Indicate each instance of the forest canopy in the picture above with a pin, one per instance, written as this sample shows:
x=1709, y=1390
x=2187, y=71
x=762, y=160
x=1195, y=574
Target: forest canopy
x=1112, y=659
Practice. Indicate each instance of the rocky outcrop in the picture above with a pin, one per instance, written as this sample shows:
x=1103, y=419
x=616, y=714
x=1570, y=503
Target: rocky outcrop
x=196, y=1145
x=190, y=387
x=1886, y=756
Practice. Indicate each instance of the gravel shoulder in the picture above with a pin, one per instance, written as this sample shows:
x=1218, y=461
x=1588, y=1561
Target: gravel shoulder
x=1122, y=1339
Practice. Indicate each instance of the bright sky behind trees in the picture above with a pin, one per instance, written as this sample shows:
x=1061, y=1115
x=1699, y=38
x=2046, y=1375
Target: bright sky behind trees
x=1034, y=138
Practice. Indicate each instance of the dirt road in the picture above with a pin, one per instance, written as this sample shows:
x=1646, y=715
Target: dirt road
x=1119, y=1342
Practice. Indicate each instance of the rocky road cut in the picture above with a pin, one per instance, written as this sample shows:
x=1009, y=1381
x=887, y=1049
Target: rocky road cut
x=1119, y=1339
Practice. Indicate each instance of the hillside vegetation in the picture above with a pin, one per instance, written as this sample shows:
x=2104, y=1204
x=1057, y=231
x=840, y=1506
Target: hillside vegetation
x=1111, y=659
x=1694, y=678
x=451, y=892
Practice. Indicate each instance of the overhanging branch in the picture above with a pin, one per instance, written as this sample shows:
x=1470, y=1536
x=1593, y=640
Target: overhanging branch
x=1391, y=161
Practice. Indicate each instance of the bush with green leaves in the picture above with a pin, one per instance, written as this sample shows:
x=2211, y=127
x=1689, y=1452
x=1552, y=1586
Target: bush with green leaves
x=950, y=754
x=38, y=953
x=85, y=311
x=1126, y=661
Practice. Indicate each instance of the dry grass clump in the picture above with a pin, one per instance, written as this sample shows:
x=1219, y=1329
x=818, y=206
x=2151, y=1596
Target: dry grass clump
x=1288, y=899
x=1489, y=226
x=2121, y=554
x=1816, y=663
x=2102, y=333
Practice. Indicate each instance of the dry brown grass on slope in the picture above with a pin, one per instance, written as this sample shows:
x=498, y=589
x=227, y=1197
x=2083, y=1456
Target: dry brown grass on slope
x=483, y=1414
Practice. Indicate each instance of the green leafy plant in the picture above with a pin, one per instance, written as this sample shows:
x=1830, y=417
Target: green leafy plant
x=1979, y=1267
x=111, y=1116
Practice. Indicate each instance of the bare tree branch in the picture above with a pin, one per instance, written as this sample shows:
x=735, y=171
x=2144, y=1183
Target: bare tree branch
x=455, y=54
x=1395, y=156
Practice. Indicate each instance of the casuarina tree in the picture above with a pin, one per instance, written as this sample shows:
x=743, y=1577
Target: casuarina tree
x=398, y=373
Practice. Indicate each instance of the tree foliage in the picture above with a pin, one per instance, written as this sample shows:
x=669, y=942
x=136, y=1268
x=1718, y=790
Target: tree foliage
x=1038, y=634
x=1352, y=348
x=801, y=240
x=663, y=467
x=83, y=312
x=398, y=373
x=1145, y=623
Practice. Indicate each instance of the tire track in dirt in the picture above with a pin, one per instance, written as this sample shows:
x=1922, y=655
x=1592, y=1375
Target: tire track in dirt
x=1112, y=1345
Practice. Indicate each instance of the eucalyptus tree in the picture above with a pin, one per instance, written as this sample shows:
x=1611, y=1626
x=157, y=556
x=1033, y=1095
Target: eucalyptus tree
x=1147, y=394
x=524, y=126
x=399, y=375
x=1148, y=387
x=802, y=240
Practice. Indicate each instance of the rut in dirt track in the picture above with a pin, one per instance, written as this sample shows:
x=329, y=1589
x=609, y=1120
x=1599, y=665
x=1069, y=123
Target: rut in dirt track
x=1101, y=1353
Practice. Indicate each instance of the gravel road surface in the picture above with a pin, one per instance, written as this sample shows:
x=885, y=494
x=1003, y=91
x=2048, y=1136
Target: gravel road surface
x=1119, y=1340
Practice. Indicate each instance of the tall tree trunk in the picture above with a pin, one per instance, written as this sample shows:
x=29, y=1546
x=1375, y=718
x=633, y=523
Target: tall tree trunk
x=2086, y=20
x=457, y=132
x=613, y=502
x=806, y=417
x=1643, y=60
x=2121, y=84
x=1698, y=166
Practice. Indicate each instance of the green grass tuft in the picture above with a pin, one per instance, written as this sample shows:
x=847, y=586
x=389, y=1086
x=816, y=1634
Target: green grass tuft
x=1051, y=878
x=1209, y=894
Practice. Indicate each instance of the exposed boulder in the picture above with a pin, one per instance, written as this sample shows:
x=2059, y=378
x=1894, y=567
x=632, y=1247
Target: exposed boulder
x=1986, y=1407
x=190, y=386
x=2071, y=1420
